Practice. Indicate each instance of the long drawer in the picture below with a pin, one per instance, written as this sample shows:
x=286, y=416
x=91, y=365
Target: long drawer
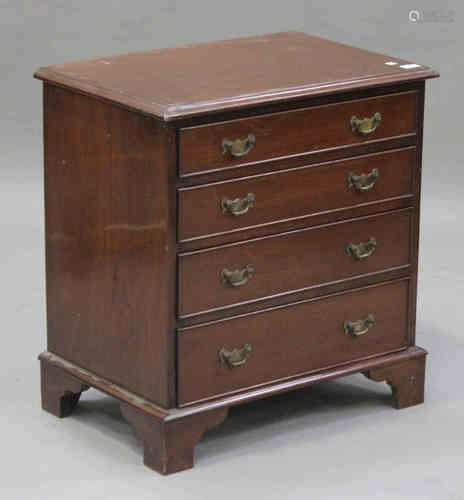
x=236, y=354
x=237, y=142
x=255, y=269
x=268, y=198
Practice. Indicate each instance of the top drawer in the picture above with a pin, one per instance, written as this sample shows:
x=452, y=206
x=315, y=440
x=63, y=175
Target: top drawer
x=238, y=142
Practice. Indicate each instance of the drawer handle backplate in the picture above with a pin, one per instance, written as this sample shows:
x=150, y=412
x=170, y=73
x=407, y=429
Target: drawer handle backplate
x=238, y=147
x=365, y=126
x=363, y=182
x=236, y=357
x=239, y=277
x=361, y=251
x=360, y=327
x=239, y=206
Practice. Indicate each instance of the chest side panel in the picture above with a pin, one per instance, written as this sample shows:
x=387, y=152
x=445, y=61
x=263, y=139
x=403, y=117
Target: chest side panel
x=110, y=242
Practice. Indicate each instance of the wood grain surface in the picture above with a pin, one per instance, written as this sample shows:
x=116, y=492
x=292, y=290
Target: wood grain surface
x=290, y=340
x=196, y=79
x=295, y=132
x=293, y=194
x=110, y=242
x=291, y=262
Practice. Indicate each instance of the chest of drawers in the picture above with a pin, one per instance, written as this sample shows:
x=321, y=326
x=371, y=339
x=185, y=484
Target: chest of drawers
x=228, y=221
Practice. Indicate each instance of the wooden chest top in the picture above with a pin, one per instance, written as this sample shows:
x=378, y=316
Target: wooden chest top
x=196, y=79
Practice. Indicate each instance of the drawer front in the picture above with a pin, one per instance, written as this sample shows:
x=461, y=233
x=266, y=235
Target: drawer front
x=263, y=199
x=290, y=341
x=237, y=142
x=255, y=269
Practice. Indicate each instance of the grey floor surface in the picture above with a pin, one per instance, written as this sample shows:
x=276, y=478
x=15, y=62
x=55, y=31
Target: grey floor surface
x=336, y=440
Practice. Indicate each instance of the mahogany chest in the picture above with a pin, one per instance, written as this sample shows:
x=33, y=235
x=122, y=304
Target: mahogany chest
x=227, y=221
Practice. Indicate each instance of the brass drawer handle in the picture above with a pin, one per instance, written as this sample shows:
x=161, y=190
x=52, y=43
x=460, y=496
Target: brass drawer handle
x=238, y=147
x=360, y=327
x=363, y=182
x=362, y=251
x=238, y=277
x=239, y=206
x=367, y=125
x=236, y=357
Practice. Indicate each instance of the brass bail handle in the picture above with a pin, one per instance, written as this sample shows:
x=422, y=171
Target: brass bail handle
x=363, y=182
x=361, y=251
x=360, y=327
x=238, y=206
x=238, y=277
x=236, y=357
x=238, y=147
x=367, y=125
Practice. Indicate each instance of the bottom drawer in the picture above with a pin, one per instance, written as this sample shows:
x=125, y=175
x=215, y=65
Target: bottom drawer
x=235, y=354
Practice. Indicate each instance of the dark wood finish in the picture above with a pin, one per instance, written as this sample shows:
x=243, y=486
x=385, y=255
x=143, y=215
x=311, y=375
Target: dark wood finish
x=287, y=226
x=168, y=445
x=291, y=340
x=293, y=194
x=135, y=241
x=294, y=132
x=110, y=242
x=259, y=391
x=301, y=160
x=70, y=370
x=297, y=296
x=406, y=379
x=293, y=383
x=292, y=261
x=169, y=436
x=230, y=74
x=417, y=179
x=269, y=107
x=60, y=391
x=310, y=157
